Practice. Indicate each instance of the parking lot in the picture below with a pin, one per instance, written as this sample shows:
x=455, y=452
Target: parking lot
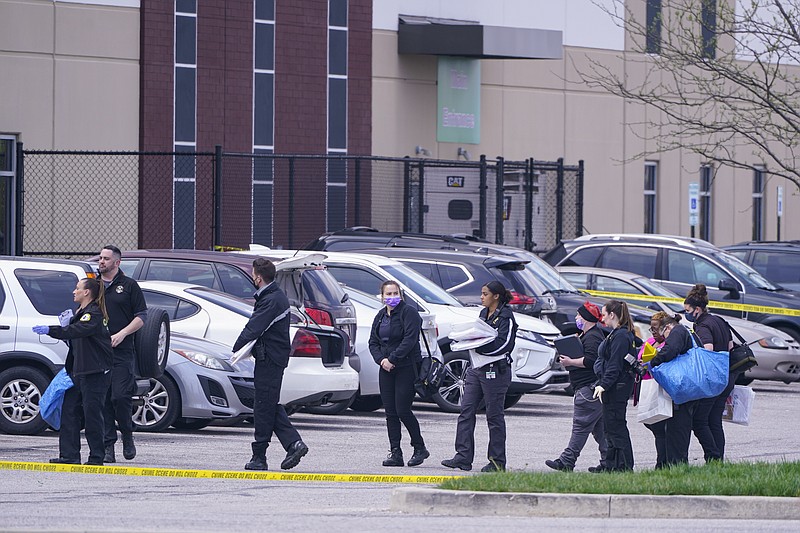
x=538, y=429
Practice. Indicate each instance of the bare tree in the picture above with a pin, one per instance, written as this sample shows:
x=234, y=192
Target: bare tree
x=722, y=76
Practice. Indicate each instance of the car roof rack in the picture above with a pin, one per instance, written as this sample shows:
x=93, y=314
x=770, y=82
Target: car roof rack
x=777, y=243
x=646, y=237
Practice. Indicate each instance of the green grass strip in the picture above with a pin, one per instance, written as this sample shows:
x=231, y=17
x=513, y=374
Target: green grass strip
x=720, y=479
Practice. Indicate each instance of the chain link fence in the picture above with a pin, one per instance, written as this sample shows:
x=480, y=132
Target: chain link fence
x=74, y=202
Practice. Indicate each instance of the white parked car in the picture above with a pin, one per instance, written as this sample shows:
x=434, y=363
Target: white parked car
x=535, y=366
x=318, y=370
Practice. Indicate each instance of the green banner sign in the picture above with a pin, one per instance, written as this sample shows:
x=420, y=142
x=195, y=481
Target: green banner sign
x=459, y=101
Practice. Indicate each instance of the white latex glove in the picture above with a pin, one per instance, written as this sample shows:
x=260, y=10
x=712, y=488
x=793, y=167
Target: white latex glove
x=598, y=393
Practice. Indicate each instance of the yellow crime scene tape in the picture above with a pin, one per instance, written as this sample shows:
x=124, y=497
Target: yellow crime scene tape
x=712, y=304
x=220, y=474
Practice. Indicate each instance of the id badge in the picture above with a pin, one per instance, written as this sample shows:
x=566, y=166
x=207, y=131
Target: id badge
x=491, y=374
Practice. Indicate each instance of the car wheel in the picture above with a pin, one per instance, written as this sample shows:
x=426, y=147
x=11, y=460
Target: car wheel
x=332, y=408
x=152, y=344
x=511, y=400
x=21, y=389
x=366, y=404
x=159, y=408
x=191, y=423
x=448, y=398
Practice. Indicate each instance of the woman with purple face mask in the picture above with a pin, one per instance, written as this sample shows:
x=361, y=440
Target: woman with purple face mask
x=394, y=345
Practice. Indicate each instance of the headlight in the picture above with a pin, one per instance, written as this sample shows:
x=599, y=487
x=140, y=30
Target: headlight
x=206, y=360
x=775, y=343
x=531, y=336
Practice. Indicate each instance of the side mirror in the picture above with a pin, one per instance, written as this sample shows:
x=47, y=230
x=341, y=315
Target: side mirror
x=731, y=287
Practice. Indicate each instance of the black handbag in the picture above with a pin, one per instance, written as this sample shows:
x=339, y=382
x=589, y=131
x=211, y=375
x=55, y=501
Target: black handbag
x=430, y=375
x=741, y=356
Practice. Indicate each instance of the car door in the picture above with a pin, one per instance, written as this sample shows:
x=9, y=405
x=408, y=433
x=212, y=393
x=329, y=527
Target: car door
x=8, y=318
x=356, y=277
x=609, y=284
x=182, y=271
x=642, y=260
x=184, y=316
x=780, y=267
x=683, y=269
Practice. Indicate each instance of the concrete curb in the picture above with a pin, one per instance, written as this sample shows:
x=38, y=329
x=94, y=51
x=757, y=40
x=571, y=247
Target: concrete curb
x=464, y=503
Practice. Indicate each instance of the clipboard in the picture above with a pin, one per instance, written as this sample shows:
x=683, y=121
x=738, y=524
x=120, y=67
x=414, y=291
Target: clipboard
x=570, y=346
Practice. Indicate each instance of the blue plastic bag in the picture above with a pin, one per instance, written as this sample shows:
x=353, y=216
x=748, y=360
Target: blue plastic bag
x=53, y=399
x=696, y=374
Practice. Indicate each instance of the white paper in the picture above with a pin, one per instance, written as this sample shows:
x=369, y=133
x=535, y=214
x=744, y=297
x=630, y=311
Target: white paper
x=472, y=330
x=65, y=317
x=243, y=352
x=470, y=344
x=479, y=360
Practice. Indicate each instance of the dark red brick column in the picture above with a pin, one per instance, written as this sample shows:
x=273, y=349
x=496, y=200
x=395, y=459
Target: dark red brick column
x=359, y=105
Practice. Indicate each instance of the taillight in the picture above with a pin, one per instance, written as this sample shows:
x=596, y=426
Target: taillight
x=305, y=344
x=521, y=299
x=323, y=318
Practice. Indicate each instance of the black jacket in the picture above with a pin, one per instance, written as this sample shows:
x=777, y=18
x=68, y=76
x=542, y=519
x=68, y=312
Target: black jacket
x=610, y=367
x=402, y=349
x=124, y=301
x=90, y=342
x=503, y=321
x=678, y=342
x=580, y=377
x=711, y=329
x=269, y=323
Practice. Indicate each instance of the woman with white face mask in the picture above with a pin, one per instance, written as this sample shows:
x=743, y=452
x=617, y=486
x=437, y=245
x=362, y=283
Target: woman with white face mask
x=394, y=345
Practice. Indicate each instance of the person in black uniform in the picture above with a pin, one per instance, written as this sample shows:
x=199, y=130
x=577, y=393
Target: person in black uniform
x=127, y=312
x=587, y=413
x=269, y=327
x=488, y=383
x=394, y=345
x=615, y=385
x=714, y=334
x=678, y=428
x=88, y=365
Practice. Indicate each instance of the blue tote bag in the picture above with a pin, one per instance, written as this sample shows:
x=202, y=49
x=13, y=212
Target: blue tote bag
x=53, y=399
x=696, y=374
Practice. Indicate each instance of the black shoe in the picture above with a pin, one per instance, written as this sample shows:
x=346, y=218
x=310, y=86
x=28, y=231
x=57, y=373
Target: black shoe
x=64, y=461
x=598, y=469
x=110, y=457
x=256, y=463
x=494, y=467
x=395, y=458
x=128, y=447
x=420, y=454
x=558, y=464
x=94, y=462
x=294, y=454
x=455, y=463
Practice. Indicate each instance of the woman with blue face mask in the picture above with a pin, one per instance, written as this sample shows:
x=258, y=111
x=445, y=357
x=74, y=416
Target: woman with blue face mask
x=394, y=345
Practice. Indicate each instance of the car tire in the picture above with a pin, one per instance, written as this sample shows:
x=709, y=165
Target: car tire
x=159, y=408
x=333, y=408
x=191, y=423
x=448, y=397
x=21, y=389
x=366, y=404
x=152, y=344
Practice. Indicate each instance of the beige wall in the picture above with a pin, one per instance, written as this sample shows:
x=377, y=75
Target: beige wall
x=70, y=80
x=541, y=109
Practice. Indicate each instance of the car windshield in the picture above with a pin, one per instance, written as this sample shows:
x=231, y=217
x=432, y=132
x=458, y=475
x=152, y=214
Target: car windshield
x=364, y=299
x=231, y=303
x=657, y=290
x=545, y=274
x=424, y=288
x=750, y=276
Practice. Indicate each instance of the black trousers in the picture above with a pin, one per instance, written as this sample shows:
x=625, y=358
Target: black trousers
x=269, y=417
x=659, y=430
x=84, y=400
x=397, y=395
x=615, y=404
x=493, y=392
x=679, y=432
x=118, y=402
x=702, y=429
x=715, y=417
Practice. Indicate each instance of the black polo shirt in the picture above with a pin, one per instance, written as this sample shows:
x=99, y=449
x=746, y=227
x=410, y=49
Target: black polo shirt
x=124, y=301
x=712, y=329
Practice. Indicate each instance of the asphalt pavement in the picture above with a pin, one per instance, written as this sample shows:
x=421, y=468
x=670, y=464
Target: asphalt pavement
x=352, y=443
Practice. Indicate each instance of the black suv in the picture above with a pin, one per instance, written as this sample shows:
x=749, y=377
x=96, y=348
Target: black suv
x=557, y=299
x=779, y=262
x=680, y=262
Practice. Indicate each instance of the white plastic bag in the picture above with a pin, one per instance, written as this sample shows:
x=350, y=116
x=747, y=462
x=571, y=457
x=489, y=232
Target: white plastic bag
x=739, y=405
x=471, y=335
x=655, y=404
x=243, y=352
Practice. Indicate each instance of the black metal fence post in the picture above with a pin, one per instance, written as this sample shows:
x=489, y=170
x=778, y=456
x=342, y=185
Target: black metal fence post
x=217, y=198
x=290, y=227
x=19, y=189
x=421, y=199
x=357, y=186
x=579, y=203
x=406, y=195
x=482, y=197
x=499, y=201
x=529, y=204
x=560, y=200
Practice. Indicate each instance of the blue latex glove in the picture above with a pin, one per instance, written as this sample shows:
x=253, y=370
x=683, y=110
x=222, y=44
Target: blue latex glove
x=41, y=330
